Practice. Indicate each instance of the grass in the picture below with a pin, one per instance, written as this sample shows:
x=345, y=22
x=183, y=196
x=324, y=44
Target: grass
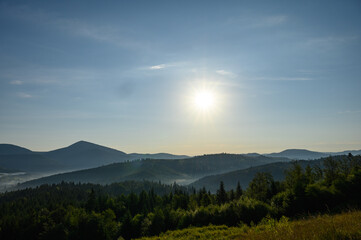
x=345, y=226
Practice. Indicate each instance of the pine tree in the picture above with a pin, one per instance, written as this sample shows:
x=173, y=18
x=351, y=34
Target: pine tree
x=221, y=194
x=239, y=191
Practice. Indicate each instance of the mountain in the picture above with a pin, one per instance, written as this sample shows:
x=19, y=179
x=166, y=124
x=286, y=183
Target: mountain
x=165, y=167
x=7, y=149
x=303, y=154
x=86, y=155
x=182, y=171
x=245, y=176
x=15, y=157
x=298, y=154
x=19, y=164
x=29, y=162
x=82, y=154
x=79, y=155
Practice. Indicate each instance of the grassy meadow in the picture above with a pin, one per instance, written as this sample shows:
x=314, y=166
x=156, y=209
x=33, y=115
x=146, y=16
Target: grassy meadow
x=345, y=226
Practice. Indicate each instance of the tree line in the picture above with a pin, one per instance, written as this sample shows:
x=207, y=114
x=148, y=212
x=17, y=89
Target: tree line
x=130, y=210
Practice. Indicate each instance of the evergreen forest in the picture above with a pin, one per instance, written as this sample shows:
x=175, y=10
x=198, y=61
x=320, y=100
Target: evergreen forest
x=129, y=210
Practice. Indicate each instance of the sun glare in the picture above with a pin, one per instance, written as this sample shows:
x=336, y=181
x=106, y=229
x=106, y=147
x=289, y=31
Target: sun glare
x=204, y=100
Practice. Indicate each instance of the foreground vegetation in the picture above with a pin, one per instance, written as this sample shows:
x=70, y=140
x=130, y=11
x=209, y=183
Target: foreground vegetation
x=325, y=227
x=133, y=210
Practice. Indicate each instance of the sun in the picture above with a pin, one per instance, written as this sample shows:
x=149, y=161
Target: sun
x=204, y=100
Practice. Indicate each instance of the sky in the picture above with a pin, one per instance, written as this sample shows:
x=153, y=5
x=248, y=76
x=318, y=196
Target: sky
x=124, y=74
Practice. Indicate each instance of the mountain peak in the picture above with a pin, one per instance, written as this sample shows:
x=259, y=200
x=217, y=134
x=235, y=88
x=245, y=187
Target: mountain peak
x=83, y=143
x=298, y=154
x=84, y=146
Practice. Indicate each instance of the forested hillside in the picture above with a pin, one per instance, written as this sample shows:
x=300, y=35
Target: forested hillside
x=245, y=176
x=73, y=211
x=80, y=155
x=168, y=171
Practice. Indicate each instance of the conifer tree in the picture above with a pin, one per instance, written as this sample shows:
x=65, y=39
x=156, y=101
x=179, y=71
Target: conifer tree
x=221, y=194
x=239, y=191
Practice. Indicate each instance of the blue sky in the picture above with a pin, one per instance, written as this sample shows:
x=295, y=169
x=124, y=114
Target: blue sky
x=285, y=74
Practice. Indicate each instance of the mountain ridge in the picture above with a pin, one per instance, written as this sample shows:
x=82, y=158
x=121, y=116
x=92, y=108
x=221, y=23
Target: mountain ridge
x=245, y=176
x=182, y=171
x=79, y=155
x=86, y=155
x=305, y=154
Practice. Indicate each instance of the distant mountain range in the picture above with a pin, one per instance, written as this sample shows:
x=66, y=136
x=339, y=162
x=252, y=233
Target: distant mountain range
x=79, y=155
x=98, y=164
x=182, y=171
x=83, y=155
x=303, y=154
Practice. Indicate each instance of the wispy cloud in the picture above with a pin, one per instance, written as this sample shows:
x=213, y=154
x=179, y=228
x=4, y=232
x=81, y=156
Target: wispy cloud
x=24, y=95
x=157, y=67
x=178, y=65
x=225, y=73
x=16, y=82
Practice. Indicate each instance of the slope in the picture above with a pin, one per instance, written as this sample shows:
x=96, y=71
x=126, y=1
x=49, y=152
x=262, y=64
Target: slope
x=245, y=176
x=180, y=170
x=6, y=149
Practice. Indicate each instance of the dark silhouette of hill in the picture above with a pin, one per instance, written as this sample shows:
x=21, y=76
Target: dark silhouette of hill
x=245, y=176
x=80, y=155
x=86, y=155
x=167, y=171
